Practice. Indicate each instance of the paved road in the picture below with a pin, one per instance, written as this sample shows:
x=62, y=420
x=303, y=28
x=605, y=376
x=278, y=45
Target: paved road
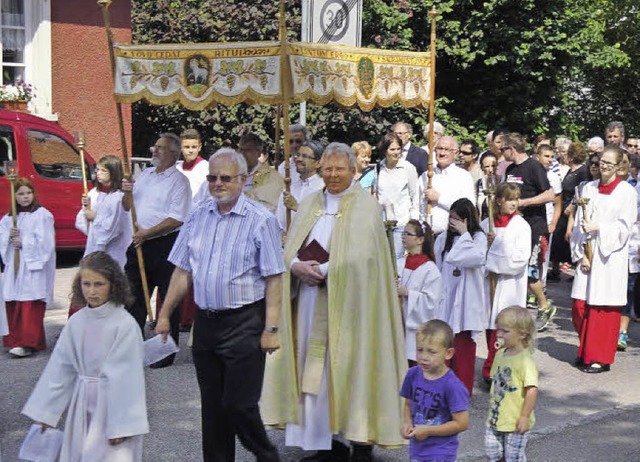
x=580, y=417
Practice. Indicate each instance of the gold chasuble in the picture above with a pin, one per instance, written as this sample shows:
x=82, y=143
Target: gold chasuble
x=267, y=186
x=365, y=336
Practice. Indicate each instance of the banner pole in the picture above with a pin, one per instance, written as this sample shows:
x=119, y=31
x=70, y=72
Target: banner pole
x=432, y=103
x=104, y=4
x=285, y=91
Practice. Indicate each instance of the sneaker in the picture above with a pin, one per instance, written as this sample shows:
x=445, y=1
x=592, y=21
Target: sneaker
x=20, y=352
x=622, y=341
x=531, y=302
x=545, y=316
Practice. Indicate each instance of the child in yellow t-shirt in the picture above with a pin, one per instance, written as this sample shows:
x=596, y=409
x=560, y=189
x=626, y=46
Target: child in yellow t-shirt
x=514, y=387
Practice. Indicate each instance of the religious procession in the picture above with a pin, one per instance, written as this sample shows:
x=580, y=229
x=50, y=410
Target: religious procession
x=353, y=300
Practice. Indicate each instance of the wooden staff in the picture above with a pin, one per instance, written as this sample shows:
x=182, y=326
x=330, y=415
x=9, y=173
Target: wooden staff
x=489, y=191
x=80, y=140
x=285, y=91
x=104, y=4
x=11, y=171
x=588, y=250
x=276, y=157
x=432, y=103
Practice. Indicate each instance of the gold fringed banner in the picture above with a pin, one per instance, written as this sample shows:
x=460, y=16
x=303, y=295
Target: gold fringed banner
x=200, y=75
x=363, y=76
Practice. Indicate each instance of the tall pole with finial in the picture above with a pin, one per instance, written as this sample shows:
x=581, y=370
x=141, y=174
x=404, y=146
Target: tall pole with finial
x=432, y=104
x=104, y=4
x=11, y=172
x=285, y=92
x=490, y=192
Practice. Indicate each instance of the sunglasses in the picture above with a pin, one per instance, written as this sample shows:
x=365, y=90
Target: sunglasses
x=223, y=178
x=465, y=153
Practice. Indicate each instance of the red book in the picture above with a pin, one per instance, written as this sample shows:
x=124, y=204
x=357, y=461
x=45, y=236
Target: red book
x=313, y=251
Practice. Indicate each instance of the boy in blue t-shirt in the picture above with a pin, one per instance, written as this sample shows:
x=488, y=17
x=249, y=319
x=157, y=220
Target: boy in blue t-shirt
x=436, y=401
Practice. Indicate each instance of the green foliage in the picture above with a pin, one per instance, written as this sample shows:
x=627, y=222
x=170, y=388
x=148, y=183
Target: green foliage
x=535, y=66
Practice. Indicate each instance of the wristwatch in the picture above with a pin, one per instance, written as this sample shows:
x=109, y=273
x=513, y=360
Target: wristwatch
x=271, y=329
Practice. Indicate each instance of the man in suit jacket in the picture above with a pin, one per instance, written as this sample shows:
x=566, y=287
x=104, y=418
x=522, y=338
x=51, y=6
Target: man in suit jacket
x=412, y=154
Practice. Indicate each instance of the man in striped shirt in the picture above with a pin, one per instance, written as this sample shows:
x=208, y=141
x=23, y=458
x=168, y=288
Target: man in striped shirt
x=229, y=249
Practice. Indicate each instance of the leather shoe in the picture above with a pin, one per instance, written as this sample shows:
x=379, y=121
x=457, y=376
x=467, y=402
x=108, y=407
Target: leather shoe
x=339, y=452
x=596, y=368
x=362, y=453
x=165, y=362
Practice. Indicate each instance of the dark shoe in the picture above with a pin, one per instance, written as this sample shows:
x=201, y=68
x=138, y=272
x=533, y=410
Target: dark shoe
x=578, y=362
x=166, y=362
x=596, y=368
x=362, y=453
x=339, y=452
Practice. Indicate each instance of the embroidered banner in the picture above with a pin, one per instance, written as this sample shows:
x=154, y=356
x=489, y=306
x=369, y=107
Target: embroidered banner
x=199, y=75
x=363, y=76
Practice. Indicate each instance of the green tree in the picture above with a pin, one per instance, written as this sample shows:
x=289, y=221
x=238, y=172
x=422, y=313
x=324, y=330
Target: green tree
x=535, y=66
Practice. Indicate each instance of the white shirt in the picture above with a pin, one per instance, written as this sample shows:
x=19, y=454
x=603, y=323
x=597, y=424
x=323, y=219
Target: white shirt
x=158, y=196
x=452, y=183
x=196, y=175
x=293, y=173
x=299, y=190
x=398, y=192
x=556, y=185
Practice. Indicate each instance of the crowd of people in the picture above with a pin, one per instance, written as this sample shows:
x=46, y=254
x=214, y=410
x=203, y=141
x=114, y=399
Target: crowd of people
x=346, y=308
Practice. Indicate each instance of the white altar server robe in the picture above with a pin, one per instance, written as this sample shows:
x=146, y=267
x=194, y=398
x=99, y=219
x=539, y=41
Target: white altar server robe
x=615, y=213
x=463, y=304
x=96, y=369
x=36, y=272
x=508, y=259
x=421, y=305
x=111, y=230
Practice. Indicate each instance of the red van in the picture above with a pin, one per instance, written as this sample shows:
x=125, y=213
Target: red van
x=46, y=155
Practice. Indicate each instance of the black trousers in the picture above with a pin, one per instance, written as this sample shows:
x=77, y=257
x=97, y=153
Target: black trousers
x=230, y=369
x=154, y=253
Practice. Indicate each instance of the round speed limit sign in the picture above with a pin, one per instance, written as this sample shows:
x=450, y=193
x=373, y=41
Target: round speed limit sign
x=334, y=20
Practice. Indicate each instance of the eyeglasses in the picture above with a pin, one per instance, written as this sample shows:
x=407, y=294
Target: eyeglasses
x=224, y=178
x=407, y=233
x=446, y=149
x=604, y=163
x=595, y=163
x=632, y=145
x=302, y=156
x=465, y=153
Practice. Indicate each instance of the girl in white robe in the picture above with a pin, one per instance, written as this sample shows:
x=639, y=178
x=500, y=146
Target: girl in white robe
x=419, y=284
x=507, y=260
x=107, y=225
x=460, y=256
x=27, y=290
x=96, y=372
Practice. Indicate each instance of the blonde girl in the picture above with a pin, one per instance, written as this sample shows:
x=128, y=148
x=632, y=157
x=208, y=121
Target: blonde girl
x=514, y=387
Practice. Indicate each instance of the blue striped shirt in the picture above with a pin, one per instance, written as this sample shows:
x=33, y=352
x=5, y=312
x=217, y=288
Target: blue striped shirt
x=229, y=255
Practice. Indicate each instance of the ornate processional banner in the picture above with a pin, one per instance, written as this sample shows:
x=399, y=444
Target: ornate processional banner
x=199, y=75
x=364, y=76
x=202, y=75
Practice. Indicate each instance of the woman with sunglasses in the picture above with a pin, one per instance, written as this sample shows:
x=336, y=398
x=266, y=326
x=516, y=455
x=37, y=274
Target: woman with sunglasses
x=600, y=245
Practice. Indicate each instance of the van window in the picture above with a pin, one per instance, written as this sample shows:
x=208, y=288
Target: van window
x=7, y=146
x=53, y=157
